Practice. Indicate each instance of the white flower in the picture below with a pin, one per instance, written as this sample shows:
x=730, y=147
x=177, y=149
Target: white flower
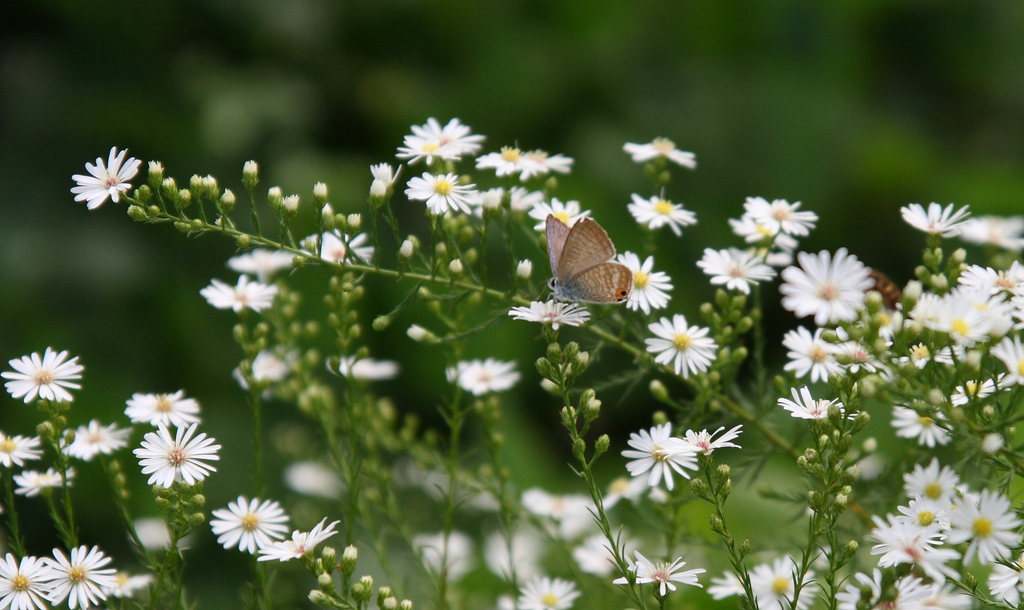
x=924, y=512
x=571, y=513
x=542, y=163
x=385, y=173
x=1010, y=353
x=179, y=459
x=930, y=482
x=832, y=289
x=774, y=585
x=936, y=221
x=108, y=180
x=526, y=551
x=333, y=247
x=523, y=200
x=79, y=579
x=261, y=262
x=154, y=534
x=660, y=453
x=94, y=439
x=967, y=323
x=780, y=215
x=857, y=356
x=736, y=269
x=943, y=596
x=630, y=488
x=998, y=231
x=803, y=406
x=431, y=140
x=810, y=354
x=687, y=347
x=441, y=193
x=163, y=409
x=649, y=288
x=657, y=212
x=726, y=586
x=990, y=525
x=368, y=369
x=909, y=424
x=245, y=293
x=660, y=147
x=480, y=377
x=910, y=593
x=456, y=555
x=543, y=593
x=972, y=390
x=702, y=443
x=299, y=544
x=17, y=449
x=662, y=574
x=126, y=585
x=45, y=377
x=313, y=479
x=25, y=585
x=987, y=279
x=594, y=555
x=249, y=524
x=992, y=442
x=31, y=482
x=900, y=541
x=266, y=367
x=524, y=269
x=1006, y=584
x=568, y=212
x=554, y=313
x=509, y=161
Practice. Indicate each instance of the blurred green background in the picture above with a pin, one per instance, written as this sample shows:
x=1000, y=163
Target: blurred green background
x=854, y=107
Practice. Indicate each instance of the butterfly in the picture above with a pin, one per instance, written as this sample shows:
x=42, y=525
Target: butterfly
x=580, y=265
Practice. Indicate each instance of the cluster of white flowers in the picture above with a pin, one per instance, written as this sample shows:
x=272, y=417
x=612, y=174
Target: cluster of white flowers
x=80, y=578
x=773, y=585
x=658, y=453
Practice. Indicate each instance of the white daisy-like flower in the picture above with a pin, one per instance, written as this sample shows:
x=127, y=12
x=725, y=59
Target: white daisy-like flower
x=24, y=585
x=554, y=313
x=660, y=453
x=702, y=441
x=688, y=347
x=735, y=269
x=154, y=534
x=909, y=424
x=523, y=200
x=804, y=406
x=431, y=140
x=182, y=458
x=367, y=369
x=441, y=193
x=660, y=147
x=658, y=212
x=990, y=525
x=245, y=293
x=569, y=212
x=999, y=231
x=527, y=548
x=93, y=439
x=543, y=593
x=163, y=409
x=249, y=524
x=266, y=367
x=1011, y=354
x=910, y=593
x=936, y=220
x=455, y=554
x=650, y=288
x=780, y=215
x=543, y=163
x=920, y=355
x=261, y=262
x=752, y=231
x=126, y=584
x=80, y=579
x=481, y=377
x=810, y=354
x=299, y=544
x=924, y=512
x=45, y=377
x=774, y=584
x=313, y=479
x=857, y=356
x=1005, y=583
x=572, y=514
x=333, y=247
x=385, y=173
x=900, y=541
x=944, y=596
x=972, y=390
x=15, y=450
x=931, y=482
x=831, y=288
x=104, y=181
x=30, y=483
x=727, y=585
x=987, y=279
x=509, y=161
x=662, y=574
x=630, y=488
x=962, y=320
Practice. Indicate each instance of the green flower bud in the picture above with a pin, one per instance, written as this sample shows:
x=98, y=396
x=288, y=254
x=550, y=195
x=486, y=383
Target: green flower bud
x=320, y=598
x=250, y=174
x=156, y=174
x=602, y=444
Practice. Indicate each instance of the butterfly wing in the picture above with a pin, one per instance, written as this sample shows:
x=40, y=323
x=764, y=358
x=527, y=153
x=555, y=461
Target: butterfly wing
x=586, y=245
x=607, y=282
x=557, y=231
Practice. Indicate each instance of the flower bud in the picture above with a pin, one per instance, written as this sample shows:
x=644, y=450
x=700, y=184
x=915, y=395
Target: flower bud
x=716, y=524
x=353, y=222
x=659, y=418
x=137, y=213
x=227, y=201
x=183, y=200
x=973, y=360
x=211, y=186
x=290, y=204
x=378, y=191
x=870, y=445
x=325, y=581
x=936, y=397
x=850, y=549
x=250, y=174
x=317, y=596
x=156, y=174
x=698, y=487
x=389, y=603
x=602, y=444
x=992, y=443
x=405, y=604
x=939, y=282
x=329, y=556
x=455, y=267
x=744, y=547
x=421, y=335
x=383, y=593
x=348, y=559
x=406, y=251
x=196, y=184
x=319, y=194
x=524, y=269
x=275, y=197
x=971, y=581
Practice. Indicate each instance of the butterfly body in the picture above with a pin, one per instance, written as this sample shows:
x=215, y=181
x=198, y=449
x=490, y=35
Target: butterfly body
x=581, y=268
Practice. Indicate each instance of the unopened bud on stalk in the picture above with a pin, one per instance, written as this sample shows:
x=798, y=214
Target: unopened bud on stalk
x=698, y=487
x=348, y=559
x=183, y=200
x=973, y=359
x=275, y=197
x=939, y=282
x=250, y=174
x=383, y=593
x=524, y=269
x=455, y=267
x=353, y=222
x=325, y=581
x=290, y=204
x=156, y=174
x=936, y=397
x=850, y=549
x=421, y=335
x=227, y=201
x=321, y=599
x=602, y=444
x=658, y=390
x=405, y=604
x=319, y=194
x=137, y=213
x=378, y=191
x=659, y=418
x=389, y=603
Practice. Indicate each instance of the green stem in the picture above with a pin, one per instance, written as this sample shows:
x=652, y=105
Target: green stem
x=17, y=542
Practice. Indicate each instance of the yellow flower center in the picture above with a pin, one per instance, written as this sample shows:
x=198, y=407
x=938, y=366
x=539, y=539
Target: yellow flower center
x=925, y=517
x=510, y=154
x=828, y=291
x=549, y=599
x=819, y=354
x=681, y=341
x=250, y=522
x=982, y=527
x=925, y=421
x=885, y=318
x=7, y=446
x=920, y=351
x=933, y=491
x=563, y=216
x=429, y=148
x=663, y=145
x=122, y=578
x=43, y=377
x=763, y=230
x=442, y=187
x=176, y=457
x=659, y=454
x=77, y=574
x=640, y=279
x=20, y=583
x=960, y=327
x=781, y=584
x=663, y=207
x=619, y=485
x=163, y=405
x=1020, y=368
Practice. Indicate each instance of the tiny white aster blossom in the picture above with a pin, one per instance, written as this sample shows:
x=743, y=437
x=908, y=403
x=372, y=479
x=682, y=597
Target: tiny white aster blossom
x=441, y=193
x=249, y=525
x=992, y=442
x=923, y=513
x=1002, y=232
x=24, y=585
x=543, y=593
x=30, y=483
x=831, y=288
x=481, y=377
x=334, y=249
x=313, y=479
x=126, y=585
x=900, y=541
x=735, y=269
x=245, y=293
x=431, y=140
x=299, y=544
x=726, y=586
x=163, y=409
x=181, y=458
x=990, y=525
x=774, y=585
x=909, y=424
x=1011, y=354
x=780, y=215
x=630, y=488
x=804, y=406
x=455, y=554
x=660, y=147
x=944, y=596
x=650, y=288
x=266, y=367
x=572, y=514
x=910, y=593
x=569, y=212
x=81, y=578
x=973, y=390
x=15, y=450
x=554, y=313
x=936, y=220
x=367, y=369
x=658, y=212
x=104, y=181
x=857, y=356
x=660, y=453
x=509, y=161
x=94, y=439
x=543, y=163
x=687, y=347
x=45, y=377
x=661, y=574
x=987, y=279
x=810, y=354
x=261, y=262
x=702, y=441
x=930, y=482
x=385, y=173
x=1005, y=583
x=523, y=200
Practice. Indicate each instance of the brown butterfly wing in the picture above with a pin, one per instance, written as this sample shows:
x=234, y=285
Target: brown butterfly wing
x=557, y=231
x=587, y=245
x=608, y=282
